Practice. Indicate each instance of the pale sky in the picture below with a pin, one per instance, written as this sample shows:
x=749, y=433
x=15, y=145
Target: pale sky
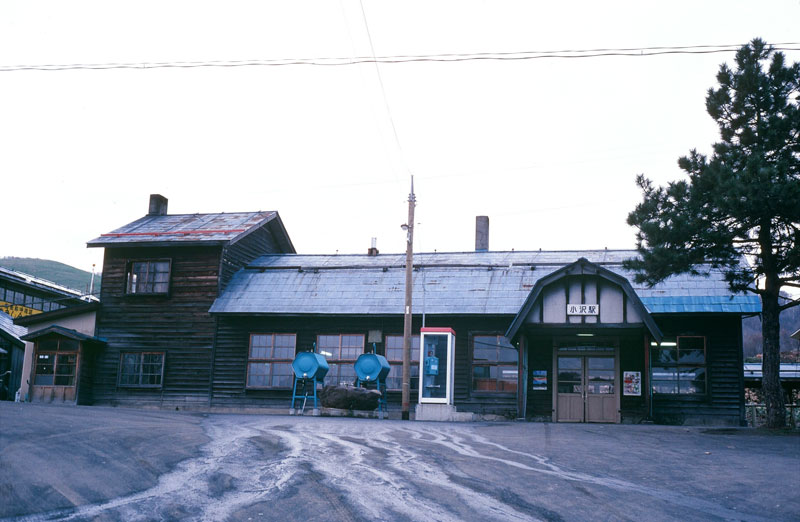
x=547, y=148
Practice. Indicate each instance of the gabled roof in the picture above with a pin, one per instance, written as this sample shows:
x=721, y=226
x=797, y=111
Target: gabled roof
x=11, y=331
x=582, y=267
x=479, y=283
x=194, y=229
x=60, y=330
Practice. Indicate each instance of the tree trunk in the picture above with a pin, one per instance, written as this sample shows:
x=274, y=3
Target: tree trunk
x=770, y=367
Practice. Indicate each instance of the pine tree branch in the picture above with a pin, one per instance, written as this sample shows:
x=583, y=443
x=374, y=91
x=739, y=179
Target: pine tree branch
x=790, y=304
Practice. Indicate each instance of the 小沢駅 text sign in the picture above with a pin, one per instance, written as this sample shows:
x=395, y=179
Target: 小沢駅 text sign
x=583, y=309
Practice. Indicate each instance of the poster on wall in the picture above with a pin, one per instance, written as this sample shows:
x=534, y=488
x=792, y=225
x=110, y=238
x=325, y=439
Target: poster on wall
x=539, y=381
x=632, y=383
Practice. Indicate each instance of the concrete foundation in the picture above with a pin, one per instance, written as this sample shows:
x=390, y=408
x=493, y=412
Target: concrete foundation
x=442, y=413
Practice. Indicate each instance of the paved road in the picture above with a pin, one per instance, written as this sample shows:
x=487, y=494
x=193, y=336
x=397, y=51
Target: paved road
x=116, y=464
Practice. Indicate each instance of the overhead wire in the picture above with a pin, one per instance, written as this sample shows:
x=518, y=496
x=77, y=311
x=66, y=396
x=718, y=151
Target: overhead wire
x=397, y=59
x=383, y=89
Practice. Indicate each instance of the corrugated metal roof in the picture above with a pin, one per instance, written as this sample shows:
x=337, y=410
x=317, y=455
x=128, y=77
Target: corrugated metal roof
x=14, y=331
x=43, y=284
x=185, y=228
x=444, y=283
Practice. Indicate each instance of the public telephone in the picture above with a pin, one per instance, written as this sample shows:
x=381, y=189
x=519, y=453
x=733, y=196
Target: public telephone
x=436, y=353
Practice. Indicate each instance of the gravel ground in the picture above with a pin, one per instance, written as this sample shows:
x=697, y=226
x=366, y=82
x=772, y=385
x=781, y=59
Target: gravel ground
x=95, y=463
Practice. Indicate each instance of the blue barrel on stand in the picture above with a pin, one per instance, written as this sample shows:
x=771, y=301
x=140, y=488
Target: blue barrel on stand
x=310, y=365
x=372, y=367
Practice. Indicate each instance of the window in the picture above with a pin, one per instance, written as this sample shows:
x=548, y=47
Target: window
x=394, y=354
x=494, y=364
x=679, y=366
x=148, y=277
x=141, y=369
x=341, y=351
x=269, y=363
x=54, y=367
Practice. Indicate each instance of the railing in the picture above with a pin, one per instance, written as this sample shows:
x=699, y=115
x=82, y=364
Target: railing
x=756, y=414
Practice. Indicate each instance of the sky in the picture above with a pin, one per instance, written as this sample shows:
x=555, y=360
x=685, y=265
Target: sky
x=547, y=148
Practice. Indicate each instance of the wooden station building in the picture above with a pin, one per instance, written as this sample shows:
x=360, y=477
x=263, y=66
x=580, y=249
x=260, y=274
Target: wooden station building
x=209, y=310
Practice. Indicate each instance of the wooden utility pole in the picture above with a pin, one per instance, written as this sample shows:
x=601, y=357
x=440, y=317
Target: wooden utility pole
x=409, y=227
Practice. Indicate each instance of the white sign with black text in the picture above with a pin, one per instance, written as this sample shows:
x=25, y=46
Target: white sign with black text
x=583, y=309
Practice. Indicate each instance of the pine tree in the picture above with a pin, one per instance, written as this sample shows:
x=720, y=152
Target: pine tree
x=739, y=210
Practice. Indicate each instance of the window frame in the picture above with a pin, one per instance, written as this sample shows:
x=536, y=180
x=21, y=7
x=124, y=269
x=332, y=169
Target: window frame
x=399, y=362
x=150, y=261
x=677, y=366
x=141, y=355
x=268, y=360
x=335, y=361
x=489, y=364
x=55, y=353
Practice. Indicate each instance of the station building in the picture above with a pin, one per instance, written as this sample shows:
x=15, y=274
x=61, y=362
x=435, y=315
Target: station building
x=209, y=310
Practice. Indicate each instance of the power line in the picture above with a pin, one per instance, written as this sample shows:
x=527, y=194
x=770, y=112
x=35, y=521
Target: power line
x=396, y=59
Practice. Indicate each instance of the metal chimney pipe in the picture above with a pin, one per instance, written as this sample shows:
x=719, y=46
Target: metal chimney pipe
x=158, y=205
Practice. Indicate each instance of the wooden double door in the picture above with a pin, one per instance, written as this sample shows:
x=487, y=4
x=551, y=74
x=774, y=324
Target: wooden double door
x=587, y=387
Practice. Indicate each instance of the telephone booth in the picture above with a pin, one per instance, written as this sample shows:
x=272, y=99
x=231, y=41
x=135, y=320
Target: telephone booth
x=437, y=350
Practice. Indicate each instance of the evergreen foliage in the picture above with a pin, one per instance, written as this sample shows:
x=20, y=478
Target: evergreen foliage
x=739, y=210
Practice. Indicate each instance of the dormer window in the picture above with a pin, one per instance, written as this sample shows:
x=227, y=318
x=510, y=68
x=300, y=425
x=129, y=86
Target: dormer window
x=148, y=277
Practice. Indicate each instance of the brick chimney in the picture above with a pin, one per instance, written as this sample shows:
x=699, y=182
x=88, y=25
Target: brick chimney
x=481, y=233
x=158, y=205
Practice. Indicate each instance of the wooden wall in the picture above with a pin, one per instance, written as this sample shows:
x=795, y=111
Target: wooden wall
x=724, y=400
x=239, y=254
x=178, y=324
x=230, y=363
x=551, y=306
x=722, y=404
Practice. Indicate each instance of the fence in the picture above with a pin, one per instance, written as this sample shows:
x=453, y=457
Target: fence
x=756, y=415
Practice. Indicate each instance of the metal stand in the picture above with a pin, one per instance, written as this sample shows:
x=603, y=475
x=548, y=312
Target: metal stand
x=383, y=408
x=309, y=389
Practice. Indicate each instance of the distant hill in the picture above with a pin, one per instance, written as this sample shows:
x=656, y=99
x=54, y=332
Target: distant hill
x=751, y=332
x=54, y=271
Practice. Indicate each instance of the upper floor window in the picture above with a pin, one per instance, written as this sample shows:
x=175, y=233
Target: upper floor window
x=148, y=277
x=269, y=363
x=679, y=366
x=341, y=352
x=494, y=364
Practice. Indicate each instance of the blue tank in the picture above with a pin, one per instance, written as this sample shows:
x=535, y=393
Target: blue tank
x=310, y=365
x=372, y=367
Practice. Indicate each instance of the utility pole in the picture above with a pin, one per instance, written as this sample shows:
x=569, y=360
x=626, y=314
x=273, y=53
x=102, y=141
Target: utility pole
x=409, y=228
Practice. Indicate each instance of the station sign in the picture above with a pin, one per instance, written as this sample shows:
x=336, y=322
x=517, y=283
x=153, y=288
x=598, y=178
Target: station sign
x=583, y=309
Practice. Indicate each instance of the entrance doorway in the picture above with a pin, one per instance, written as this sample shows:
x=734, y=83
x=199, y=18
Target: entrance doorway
x=587, y=388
